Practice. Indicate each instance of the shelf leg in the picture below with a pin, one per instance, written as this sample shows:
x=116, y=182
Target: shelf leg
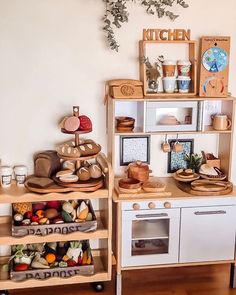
x=233, y=275
x=118, y=284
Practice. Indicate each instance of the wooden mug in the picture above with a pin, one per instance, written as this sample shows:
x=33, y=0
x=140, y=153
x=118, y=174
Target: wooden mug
x=221, y=122
x=177, y=147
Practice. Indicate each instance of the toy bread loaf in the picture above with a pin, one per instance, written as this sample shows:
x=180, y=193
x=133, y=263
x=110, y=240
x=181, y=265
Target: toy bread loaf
x=46, y=164
x=86, y=148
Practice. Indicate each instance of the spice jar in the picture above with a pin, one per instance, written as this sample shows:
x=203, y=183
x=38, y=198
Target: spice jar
x=6, y=175
x=20, y=172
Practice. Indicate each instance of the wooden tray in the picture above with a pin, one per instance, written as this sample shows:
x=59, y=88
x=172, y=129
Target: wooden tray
x=80, y=184
x=55, y=188
x=210, y=185
x=212, y=178
x=77, y=158
x=195, y=176
x=186, y=187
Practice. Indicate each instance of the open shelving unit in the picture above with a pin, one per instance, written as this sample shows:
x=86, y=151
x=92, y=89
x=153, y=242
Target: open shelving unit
x=102, y=255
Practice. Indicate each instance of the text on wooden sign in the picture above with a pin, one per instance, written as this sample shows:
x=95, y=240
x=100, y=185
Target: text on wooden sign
x=166, y=34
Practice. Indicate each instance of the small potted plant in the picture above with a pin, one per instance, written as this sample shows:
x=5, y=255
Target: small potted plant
x=194, y=161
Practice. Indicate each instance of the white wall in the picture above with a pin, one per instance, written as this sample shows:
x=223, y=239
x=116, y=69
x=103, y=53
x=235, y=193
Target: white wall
x=53, y=55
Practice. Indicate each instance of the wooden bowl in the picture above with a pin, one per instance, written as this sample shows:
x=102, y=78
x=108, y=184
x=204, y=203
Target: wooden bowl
x=125, y=121
x=129, y=183
x=154, y=187
x=124, y=129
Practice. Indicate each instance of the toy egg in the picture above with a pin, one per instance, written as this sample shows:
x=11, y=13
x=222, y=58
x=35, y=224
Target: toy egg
x=26, y=222
x=18, y=218
x=58, y=220
x=54, y=205
x=67, y=207
x=34, y=223
x=40, y=213
x=95, y=171
x=83, y=174
x=43, y=220
x=51, y=213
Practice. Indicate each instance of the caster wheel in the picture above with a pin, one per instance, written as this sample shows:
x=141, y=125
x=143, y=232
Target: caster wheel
x=4, y=292
x=98, y=287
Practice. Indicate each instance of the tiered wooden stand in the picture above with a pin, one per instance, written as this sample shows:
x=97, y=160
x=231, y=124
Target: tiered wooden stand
x=102, y=255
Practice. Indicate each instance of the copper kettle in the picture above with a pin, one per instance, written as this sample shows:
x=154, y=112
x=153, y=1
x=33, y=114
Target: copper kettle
x=139, y=170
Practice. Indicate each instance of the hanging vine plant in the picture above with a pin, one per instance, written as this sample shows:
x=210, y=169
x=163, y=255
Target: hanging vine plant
x=116, y=13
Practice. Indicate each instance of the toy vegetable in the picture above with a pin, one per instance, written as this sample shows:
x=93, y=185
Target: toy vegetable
x=74, y=250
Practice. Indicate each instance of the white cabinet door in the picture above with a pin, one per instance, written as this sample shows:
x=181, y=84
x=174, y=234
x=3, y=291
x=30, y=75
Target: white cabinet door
x=207, y=234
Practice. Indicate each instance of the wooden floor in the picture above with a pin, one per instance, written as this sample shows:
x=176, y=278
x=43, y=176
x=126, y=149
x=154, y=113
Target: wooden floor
x=204, y=280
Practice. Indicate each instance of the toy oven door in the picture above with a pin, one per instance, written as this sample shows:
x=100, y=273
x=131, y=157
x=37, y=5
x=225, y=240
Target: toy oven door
x=150, y=237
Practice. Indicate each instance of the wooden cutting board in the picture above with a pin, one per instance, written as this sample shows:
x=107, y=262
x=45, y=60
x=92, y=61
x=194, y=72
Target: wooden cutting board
x=55, y=188
x=80, y=184
x=210, y=189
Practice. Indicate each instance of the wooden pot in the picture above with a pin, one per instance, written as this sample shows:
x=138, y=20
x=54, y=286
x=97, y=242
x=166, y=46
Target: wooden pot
x=139, y=171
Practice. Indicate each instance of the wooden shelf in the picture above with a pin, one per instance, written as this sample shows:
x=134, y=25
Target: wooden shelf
x=176, y=98
x=7, y=239
x=100, y=275
x=16, y=194
x=207, y=130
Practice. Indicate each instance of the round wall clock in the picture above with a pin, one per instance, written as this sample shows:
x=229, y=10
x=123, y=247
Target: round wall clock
x=215, y=59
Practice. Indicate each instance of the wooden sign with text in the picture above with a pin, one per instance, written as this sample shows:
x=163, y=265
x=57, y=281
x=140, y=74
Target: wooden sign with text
x=166, y=34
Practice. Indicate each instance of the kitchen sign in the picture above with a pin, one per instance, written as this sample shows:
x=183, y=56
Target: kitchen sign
x=166, y=34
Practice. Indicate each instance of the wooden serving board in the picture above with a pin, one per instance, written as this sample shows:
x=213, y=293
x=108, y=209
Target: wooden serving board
x=55, y=188
x=194, y=177
x=186, y=187
x=80, y=184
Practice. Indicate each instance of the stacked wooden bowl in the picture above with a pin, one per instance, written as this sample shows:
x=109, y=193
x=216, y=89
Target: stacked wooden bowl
x=124, y=124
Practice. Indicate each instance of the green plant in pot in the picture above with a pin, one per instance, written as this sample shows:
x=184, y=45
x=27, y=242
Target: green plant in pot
x=194, y=161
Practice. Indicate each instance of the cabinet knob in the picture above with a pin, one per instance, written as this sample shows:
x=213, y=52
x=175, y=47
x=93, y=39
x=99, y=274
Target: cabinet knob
x=151, y=205
x=167, y=205
x=136, y=206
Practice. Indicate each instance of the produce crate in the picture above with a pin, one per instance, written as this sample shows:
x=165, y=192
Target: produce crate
x=63, y=228
x=83, y=268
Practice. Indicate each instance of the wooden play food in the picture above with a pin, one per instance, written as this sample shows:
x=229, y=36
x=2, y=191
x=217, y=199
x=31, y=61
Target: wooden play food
x=139, y=170
x=129, y=183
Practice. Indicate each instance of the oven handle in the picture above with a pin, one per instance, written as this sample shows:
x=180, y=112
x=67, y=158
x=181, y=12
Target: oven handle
x=209, y=212
x=151, y=215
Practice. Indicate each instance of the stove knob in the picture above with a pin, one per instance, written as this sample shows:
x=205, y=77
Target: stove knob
x=151, y=205
x=136, y=206
x=167, y=205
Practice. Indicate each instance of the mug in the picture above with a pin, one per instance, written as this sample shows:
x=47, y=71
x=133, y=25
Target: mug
x=165, y=147
x=168, y=67
x=221, y=122
x=177, y=147
x=6, y=176
x=183, y=67
x=169, y=84
x=183, y=84
x=20, y=172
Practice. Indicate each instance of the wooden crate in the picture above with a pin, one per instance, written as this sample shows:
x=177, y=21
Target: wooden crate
x=63, y=228
x=192, y=44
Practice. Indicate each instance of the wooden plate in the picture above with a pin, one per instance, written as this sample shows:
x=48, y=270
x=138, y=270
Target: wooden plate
x=210, y=185
x=154, y=186
x=186, y=187
x=194, y=177
x=204, y=176
x=129, y=183
x=80, y=184
x=77, y=158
